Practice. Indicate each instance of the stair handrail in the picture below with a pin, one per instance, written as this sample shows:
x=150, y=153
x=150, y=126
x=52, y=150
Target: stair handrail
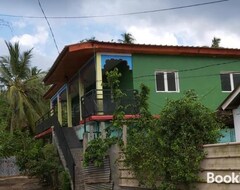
x=45, y=116
x=70, y=163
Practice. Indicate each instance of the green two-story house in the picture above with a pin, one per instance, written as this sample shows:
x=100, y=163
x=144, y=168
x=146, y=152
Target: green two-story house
x=81, y=107
x=76, y=77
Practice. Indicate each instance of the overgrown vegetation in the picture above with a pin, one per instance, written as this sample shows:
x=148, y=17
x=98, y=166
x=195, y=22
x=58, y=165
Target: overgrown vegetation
x=21, y=104
x=169, y=150
x=97, y=151
x=97, y=148
x=34, y=158
x=163, y=152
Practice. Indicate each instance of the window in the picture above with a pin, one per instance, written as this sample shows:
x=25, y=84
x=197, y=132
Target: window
x=167, y=81
x=229, y=81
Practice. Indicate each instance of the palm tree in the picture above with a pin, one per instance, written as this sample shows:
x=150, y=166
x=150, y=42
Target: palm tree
x=216, y=42
x=127, y=38
x=24, y=88
x=92, y=39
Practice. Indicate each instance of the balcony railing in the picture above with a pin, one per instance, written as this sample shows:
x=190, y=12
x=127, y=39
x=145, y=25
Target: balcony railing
x=100, y=102
x=45, y=122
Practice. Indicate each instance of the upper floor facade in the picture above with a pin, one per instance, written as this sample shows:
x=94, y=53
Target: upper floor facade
x=77, y=76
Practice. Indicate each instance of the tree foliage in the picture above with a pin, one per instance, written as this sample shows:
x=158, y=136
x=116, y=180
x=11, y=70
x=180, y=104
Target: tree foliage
x=97, y=148
x=127, y=38
x=34, y=158
x=169, y=150
x=91, y=39
x=4, y=112
x=163, y=152
x=97, y=151
x=216, y=42
x=24, y=87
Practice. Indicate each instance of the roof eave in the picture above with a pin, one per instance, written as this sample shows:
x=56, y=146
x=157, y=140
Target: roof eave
x=56, y=62
x=225, y=105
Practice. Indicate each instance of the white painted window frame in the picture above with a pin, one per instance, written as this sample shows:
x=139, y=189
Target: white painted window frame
x=231, y=80
x=166, y=81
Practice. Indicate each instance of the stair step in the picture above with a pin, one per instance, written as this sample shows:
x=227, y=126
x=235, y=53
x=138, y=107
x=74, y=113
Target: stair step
x=223, y=150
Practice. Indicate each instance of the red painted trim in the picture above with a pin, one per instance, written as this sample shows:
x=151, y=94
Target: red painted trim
x=109, y=117
x=43, y=133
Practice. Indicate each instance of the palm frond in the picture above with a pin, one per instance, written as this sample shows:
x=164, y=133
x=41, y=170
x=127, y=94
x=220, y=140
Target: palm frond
x=24, y=86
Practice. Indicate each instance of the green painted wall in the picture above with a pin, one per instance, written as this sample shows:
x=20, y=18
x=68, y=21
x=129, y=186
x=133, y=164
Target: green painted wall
x=126, y=80
x=206, y=82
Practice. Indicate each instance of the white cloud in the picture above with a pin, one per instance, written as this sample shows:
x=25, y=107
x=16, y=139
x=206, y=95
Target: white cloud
x=20, y=23
x=29, y=40
x=3, y=47
x=228, y=39
x=150, y=35
x=42, y=61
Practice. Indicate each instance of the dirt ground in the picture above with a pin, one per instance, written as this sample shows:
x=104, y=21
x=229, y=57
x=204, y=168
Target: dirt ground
x=20, y=183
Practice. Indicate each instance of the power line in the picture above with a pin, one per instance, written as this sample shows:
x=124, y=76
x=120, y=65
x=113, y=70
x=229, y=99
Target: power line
x=7, y=24
x=212, y=65
x=118, y=14
x=54, y=40
x=194, y=69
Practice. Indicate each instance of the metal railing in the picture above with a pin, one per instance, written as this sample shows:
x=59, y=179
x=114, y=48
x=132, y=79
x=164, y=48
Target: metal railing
x=62, y=142
x=97, y=102
x=44, y=122
x=47, y=121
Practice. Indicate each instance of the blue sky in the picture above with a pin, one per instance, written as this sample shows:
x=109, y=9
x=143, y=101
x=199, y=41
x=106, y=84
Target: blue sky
x=194, y=26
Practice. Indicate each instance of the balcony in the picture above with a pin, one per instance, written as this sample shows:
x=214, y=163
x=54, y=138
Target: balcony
x=100, y=102
x=45, y=122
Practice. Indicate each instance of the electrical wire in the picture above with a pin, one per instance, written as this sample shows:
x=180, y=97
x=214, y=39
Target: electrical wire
x=193, y=69
x=5, y=23
x=118, y=14
x=50, y=28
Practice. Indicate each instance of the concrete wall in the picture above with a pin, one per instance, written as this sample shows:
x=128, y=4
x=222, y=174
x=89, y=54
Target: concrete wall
x=221, y=159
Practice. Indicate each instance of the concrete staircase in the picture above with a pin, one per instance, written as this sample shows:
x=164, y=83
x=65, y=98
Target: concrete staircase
x=76, y=152
x=126, y=176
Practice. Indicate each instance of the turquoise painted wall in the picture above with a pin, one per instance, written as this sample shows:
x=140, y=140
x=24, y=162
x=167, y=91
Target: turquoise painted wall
x=228, y=135
x=206, y=82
